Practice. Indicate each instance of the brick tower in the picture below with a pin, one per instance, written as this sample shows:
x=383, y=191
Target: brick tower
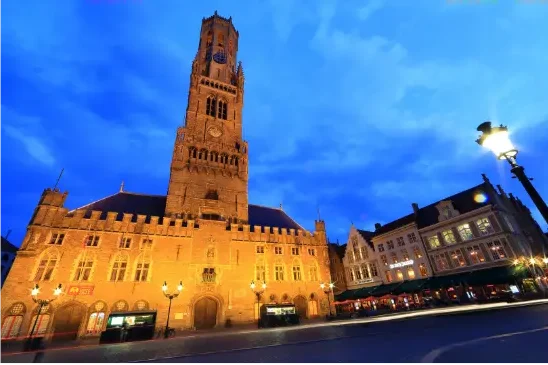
x=209, y=174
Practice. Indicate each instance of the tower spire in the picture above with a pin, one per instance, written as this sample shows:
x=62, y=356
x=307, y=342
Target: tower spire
x=122, y=187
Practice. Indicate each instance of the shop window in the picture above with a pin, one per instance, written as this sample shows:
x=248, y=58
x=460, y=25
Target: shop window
x=95, y=323
x=399, y=274
x=410, y=273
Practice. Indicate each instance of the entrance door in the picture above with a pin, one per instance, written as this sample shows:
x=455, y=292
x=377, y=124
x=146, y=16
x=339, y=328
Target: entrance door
x=205, y=313
x=67, y=322
x=300, y=306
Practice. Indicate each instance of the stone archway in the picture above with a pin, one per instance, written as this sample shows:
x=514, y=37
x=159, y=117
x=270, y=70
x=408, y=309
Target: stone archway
x=301, y=306
x=205, y=313
x=67, y=321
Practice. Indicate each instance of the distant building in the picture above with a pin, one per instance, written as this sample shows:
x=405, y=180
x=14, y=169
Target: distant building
x=9, y=252
x=360, y=262
x=336, y=266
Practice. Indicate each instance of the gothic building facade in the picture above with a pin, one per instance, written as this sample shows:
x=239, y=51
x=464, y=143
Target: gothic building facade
x=114, y=254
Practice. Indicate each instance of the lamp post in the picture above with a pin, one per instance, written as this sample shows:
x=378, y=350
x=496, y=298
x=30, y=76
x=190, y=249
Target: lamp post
x=498, y=141
x=41, y=303
x=258, y=293
x=328, y=289
x=170, y=297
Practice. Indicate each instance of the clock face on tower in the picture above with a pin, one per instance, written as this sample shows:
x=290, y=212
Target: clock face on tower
x=219, y=57
x=215, y=132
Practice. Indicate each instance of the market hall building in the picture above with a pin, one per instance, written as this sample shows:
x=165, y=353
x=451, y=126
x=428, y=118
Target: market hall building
x=478, y=244
x=113, y=255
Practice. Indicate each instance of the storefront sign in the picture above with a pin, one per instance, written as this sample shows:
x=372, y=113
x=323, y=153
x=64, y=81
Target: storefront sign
x=402, y=264
x=363, y=281
x=80, y=290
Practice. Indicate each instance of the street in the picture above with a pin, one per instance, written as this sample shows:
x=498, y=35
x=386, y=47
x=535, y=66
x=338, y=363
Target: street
x=517, y=334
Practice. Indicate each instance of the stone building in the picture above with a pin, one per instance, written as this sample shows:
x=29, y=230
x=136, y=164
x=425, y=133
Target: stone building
x=9, y=252
x=360, y=261
x=114, y=254
x=336, y=266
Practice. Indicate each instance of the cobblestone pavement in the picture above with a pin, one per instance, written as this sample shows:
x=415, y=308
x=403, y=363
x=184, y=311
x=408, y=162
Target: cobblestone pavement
x=407, y=340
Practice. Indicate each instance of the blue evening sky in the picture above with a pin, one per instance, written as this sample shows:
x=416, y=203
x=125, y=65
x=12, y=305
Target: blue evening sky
x=358, y=107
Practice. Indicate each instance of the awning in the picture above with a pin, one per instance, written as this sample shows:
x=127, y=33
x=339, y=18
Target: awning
x=410, y=286
x=497, y=275
x=354, y=294
x=385, y=289
x=438, y=282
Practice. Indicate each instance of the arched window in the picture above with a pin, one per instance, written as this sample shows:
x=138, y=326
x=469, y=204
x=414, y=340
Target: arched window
x=11, y=324
x=119, y=267
x=224, y=158
x=213, y=156
x=96, y=318
x=140, y=305
x=209, y=39
x=279, y=271
x=142, y=267
x=192, y=152
x=222, y=110
x=46, y=265
x=221, y=39
x=313, y=272
x=41, y=319
x=260, y=270
x=203, y=154
x=297, y=275
x=84, y=267
x=211, y=106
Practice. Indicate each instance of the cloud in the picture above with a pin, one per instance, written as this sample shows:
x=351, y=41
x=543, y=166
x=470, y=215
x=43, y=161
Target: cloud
x=368, y=9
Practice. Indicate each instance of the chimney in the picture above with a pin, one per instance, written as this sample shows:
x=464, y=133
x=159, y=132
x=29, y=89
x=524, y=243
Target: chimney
x=377, y=226
x=415, y=208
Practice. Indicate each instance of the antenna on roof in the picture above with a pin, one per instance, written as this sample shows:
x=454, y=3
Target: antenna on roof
x=281, y=206
x=7, y=234
x=122, y=186
x=319, y=216
x=59, y=178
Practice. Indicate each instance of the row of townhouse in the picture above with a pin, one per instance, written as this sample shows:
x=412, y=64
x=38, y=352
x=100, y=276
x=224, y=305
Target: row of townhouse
x=476, y=229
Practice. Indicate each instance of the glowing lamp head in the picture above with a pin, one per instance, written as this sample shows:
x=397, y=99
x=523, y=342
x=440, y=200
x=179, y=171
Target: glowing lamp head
x=480, y=197
x=497, y=140
x=252, y=285
x=180, y=286
x=331, y=285
x=57, y=291
x=164, y=287
x=264, y=285
x=322, y=285
x=532, y=261
x=35, y=291
x=545, y=260
x=516, y=261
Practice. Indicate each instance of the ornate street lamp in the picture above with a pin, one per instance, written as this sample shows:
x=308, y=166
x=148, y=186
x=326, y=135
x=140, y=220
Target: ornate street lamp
x=41, y=303
x=258, y=293
x=498, y=141
x=170, y=297
x=328, y=289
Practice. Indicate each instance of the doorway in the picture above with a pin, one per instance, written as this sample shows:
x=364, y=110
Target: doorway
x=67, y=322
x=300, y=306
x=205, y=313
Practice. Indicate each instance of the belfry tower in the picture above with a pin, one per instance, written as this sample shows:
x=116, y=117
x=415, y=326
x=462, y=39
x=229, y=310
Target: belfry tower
x=209, y=173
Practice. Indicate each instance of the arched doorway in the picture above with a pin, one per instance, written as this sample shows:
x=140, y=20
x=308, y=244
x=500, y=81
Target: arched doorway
x=67, y=322
x=205, y=313
x=300, y=305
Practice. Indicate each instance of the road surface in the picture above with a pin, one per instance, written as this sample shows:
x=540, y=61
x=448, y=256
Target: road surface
x=499, y=335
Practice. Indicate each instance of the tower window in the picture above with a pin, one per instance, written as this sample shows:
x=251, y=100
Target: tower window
x=221, y=40
x=209, y=39
x=212, y=195
x=222, y=110
x=211, y=106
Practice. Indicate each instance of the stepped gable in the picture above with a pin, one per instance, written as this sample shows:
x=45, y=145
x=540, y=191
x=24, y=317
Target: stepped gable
x=154, y=205
x=367, y=236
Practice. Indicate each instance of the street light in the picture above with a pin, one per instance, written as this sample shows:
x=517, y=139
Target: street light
x=41, y=303
x=498, y=141
x=258, y=293
x=170, y=297
x=327, y=289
